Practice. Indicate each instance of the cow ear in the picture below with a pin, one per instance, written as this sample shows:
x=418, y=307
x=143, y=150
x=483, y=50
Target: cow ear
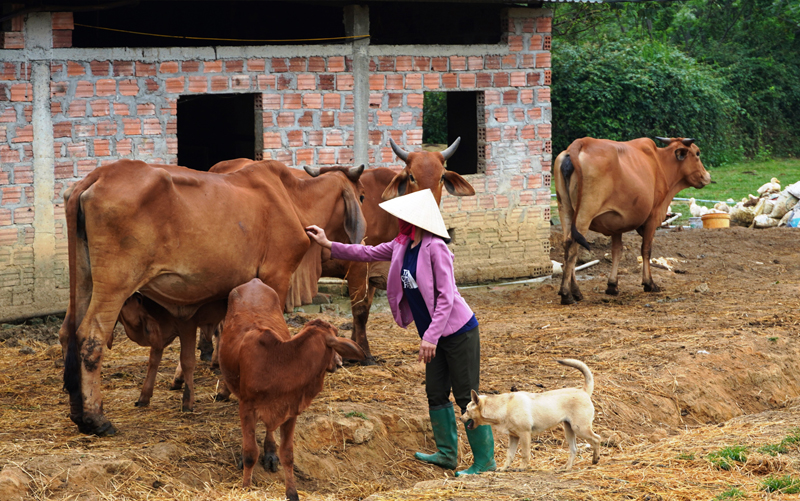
x=397, y=186
x=344, y=347
x=474, y=395
x=457, y=185
x=354, y=223
x=680, y=153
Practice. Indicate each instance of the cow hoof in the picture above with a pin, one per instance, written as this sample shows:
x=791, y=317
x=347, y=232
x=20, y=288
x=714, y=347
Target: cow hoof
x=186, y=408
x=221, y=398
x=176, y=385
x=567, y=299
x=612, y=291
x=99, y=426
x=651, y=288
x=270, y=462
x=141, y=403
x=292, y=496
x=370, y=360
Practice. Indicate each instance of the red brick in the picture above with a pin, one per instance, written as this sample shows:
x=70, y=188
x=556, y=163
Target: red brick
x=544, y=25
x=62, y=21
x=8, y=116
x=86, y=166
x=395, y=100
x=534, y=78
x=24, y=134
x=77, y=109
x=12, y=40
x=515, y=43
x=375, y=100
x=527, y=61
x=128, y=87
x=23, y=215
x=386, y=63
x=316, y=64
x=414, y=100
x=8, y=71
x=306, y=82
x=501, y=79
x=55, y=109
x=332, y=101
x=422, y=63
x=169, y=67
x=22, y=92
x=75, y=69
x=526, y=96
x=439, y=63
x=62, y=129
x=536, y=42
x=123, y=68
x=346, y=119
x=543, y=60
x=449, y=81
x=266, y=82
x=256, y=65
x=292, y=101
x=100, y=108
x=543, y=95
x=344, y=82
x=284, y=82
x=286, y=119
x=297, y=64
x=458, y=63
x=122, y=109
x=534, y=113
x=510, y=133
x=527, y=25
x=327, y=156
x=327, y=82
x=492, y=134
x=336, y=64
x=510, y=97
x=12, y=195
x=101, y=148
x=76, y=150
x=483, y=80
x=145, y=109
x=510, y=61
x=212, y=66
x=348, y=101
x=334, y=138
x=528, y=132
x=486, y=201
x=219, y=83
x=239, y=82
x=377, y=82
x=144, y=69
x=345, y=156
x=272, y=140
x=132, y=126
x=190, y=66
x=467, y=81
x=493, y=62
x=518, y=79
x=172, y=126
x=384, y=118
x=172, y=145
x=295, y=138
x=198, y=84
x=175, y=85
x=124, y=147
x=406, y=118
x=152, y=85
x=106, y=128
x=501, y=114
x=403, y=63
x=314, y=138
x=414, y=81
x=271, y=101
x=394, y=81
x=313, y=101
x=544, y=131
x=106, y=87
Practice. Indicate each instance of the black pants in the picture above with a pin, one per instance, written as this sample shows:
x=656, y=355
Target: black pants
x=456, y=366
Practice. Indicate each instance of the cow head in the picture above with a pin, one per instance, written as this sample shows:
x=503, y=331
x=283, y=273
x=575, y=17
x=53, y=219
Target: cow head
x=425, y=170
x=686, y=154
x=353, y=194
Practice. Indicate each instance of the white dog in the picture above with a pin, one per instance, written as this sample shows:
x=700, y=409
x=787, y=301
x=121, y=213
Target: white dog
x=521, y=414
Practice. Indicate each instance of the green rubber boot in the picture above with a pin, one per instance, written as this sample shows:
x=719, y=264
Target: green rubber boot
x=481, y=441
x=445, y=434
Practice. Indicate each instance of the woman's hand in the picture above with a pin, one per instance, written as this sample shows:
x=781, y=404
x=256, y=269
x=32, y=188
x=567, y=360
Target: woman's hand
x=317, y=234
x=426, y=351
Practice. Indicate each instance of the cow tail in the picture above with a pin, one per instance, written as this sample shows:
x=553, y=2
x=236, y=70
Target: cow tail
x=76, y=230
x=568, y=168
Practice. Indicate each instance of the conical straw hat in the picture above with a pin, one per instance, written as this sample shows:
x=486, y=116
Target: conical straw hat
x=420, y=209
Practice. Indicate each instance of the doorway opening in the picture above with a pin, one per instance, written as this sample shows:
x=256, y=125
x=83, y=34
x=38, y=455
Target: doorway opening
x=449, y=115
x=212, y=128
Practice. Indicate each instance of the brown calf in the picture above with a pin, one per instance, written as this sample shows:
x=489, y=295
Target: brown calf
x=614, y=187
x=275, y=376
x=149, y=324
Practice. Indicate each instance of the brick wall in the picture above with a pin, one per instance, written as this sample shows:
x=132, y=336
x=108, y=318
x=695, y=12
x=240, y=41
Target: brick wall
x=108, y=104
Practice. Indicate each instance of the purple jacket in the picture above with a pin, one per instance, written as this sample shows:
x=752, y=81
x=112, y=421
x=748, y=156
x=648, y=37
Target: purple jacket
x=437, y=284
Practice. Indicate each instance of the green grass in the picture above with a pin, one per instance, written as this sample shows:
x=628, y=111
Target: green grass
x=784, y=485
x=683, y=456
x=724, y=458
x=732, y=493
x=356, y=414
x=793, y=438
x=773, y=449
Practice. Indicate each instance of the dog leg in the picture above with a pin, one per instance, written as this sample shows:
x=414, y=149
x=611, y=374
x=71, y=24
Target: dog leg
x=526, y=450
x=573, y=447
x=513, y=442
x=593, y=438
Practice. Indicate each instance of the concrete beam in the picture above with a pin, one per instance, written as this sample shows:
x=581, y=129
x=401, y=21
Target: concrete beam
x=356, y=18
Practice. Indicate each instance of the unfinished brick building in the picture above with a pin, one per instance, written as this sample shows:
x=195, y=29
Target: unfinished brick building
x=75, y=95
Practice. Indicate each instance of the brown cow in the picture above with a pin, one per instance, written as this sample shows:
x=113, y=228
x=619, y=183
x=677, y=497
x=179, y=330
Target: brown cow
x=182, y=238
x=613, y=187
x=275, y=375
x=425, y=170
x=149, y=324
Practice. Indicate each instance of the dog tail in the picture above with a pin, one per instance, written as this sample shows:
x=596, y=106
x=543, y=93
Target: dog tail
x=588, y=385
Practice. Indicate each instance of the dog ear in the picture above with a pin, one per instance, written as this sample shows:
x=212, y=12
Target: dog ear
x=474, y=396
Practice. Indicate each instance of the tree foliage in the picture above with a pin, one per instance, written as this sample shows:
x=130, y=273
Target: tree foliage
x=740, y=57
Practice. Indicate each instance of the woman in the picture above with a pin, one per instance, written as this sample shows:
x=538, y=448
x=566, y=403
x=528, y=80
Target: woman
x=421, y=287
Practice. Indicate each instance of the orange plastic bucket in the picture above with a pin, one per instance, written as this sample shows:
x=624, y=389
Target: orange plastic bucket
x=717, y=220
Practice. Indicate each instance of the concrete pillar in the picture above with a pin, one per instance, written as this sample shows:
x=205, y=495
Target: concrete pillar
x=356, y=20
x=39, y=43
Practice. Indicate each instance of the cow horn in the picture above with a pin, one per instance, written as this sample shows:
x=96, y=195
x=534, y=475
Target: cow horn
x=354, y=173
x=312, y=171
x=665, y=140
x=688, y=141
x=400, y=152
x=451, y=149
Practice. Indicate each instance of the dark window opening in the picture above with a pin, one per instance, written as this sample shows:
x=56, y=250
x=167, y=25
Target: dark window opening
x=402, y=23
x=450, y=115
x=216, y=19
x=213, y=128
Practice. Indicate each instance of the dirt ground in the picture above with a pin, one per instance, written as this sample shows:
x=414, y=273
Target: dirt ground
x=712, y=362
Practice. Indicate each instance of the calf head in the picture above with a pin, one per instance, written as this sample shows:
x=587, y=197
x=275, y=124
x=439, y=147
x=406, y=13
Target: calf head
x=338, y=346
x=353, y=194
x=686, y=156
x=140, y=326
x=425, y=170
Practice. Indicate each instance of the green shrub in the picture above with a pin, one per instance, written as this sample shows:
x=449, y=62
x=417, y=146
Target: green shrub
x=732, y=493
x=626, y=89
x=725, y=458
x=784, y=485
